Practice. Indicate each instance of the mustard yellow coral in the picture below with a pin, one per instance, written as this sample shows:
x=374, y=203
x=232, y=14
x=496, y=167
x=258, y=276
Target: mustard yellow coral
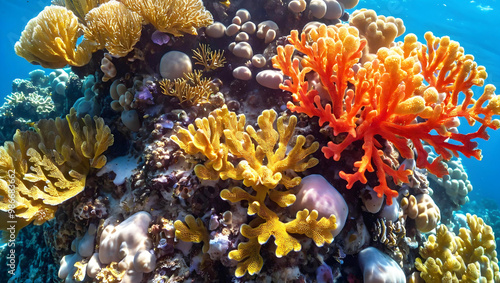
x=261, y=159
x=80, y=7
x=195, y=231
x=50, y=40
x=172, y=16
x=42, y=169
x=114, y=27
x=468, y=257
x=191, y=89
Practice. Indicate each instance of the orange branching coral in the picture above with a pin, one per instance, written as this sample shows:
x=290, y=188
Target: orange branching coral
x=42, y=169
x=195, y=231
x=114, y=27
x=209, y=59
x=172, y=16
x=387, y=98
x=262, y=166
x=50, y=40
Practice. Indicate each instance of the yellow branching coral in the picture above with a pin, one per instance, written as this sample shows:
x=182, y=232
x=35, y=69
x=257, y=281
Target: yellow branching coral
x=114, y=27
x=209, y=59
x=50, y=40
x=172, y=16
x=263, y=159
x=191, y=89
x=468, y=257
x=42, y=169
x=195, y=231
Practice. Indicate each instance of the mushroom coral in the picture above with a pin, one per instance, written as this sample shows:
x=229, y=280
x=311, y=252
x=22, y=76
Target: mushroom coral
x=172, y=16
x=43, y=168
x=50, y=40
x=113, y=27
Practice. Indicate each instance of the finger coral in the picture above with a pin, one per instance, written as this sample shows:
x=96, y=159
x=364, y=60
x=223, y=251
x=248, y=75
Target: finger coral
x=408, y=95
x=191, y=89
x=50, y=40
x=262, y=167
x=209, y=59
x=468, y=257
x=44, y=168
x=172, y=16
x=114, y=27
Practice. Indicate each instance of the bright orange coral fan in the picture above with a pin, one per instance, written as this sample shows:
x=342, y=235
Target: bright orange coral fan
x=387, y=98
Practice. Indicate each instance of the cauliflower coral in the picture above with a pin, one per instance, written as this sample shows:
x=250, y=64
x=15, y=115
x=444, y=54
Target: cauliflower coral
x=408, y=95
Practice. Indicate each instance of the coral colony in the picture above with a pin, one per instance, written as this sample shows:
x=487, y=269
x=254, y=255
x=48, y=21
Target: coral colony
x=241, y=141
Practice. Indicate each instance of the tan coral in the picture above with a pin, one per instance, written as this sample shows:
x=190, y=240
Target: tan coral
x=380, y=31
x=42, y=169
x=50, y=40
x=114, y=27
x=172, y=16
x=423, y=209
x=80, y=7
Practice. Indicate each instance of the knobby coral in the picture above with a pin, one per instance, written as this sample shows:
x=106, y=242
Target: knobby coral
x=50, y=39
x=114, y=27
x=172, y=16
x=387, y=98
x=468, y=257
x=40, y=170
x=262, y=166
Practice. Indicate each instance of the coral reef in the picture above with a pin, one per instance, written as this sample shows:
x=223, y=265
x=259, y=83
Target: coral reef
x=211, y=114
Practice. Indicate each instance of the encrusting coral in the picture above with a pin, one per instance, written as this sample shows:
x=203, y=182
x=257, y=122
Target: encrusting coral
x=468, y=257
x=44, y=168
x=387, y=98
x=262, y=167
x=172, y=16
x=50, y=39
x=114, y=27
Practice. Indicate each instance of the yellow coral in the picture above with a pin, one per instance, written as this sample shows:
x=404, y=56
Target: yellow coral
x=50, y=40
x=261, y=165
x=195, y=231
x=42, y=169
x=114, y=27
x=80, y=7
x=110, y=274
x=191, y=89
x=211, y=60
x=172, y=16
x=468, y=257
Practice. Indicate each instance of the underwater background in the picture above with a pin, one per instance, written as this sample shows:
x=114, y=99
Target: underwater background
x=474, y=24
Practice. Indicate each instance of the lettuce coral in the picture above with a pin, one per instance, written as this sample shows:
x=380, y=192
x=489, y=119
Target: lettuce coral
x=50, y=39
x=114, y=27
x=387, y=98
x=468, y=257
x=44, y=168
x=262, y=166
x=172, y=16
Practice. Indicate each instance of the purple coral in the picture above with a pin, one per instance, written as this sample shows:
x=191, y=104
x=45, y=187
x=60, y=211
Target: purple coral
x=160, y=38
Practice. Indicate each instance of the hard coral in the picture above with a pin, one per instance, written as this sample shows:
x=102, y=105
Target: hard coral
x=172, y=16
x=263, y=167
x=50, y=39
x=114, y=27
x=388, y=98
x=42, y=169
x=468, y=257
